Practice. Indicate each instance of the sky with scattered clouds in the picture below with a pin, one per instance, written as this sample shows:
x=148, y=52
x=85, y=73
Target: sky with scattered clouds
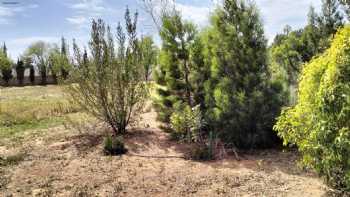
x=25, y=21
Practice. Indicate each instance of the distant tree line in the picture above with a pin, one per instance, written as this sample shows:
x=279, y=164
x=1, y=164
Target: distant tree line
x=45, y=58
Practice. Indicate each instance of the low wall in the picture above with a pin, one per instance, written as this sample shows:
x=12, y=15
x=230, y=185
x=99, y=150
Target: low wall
x=26, y=81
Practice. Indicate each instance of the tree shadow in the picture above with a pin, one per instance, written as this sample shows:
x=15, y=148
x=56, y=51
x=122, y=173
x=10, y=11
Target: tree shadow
x=86, y=142
x=155, y=143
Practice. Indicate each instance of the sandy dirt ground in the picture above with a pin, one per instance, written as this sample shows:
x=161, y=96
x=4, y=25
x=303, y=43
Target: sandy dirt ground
x=66, y=162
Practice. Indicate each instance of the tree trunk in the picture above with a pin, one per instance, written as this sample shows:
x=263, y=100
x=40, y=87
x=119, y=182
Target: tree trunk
x=188, y=91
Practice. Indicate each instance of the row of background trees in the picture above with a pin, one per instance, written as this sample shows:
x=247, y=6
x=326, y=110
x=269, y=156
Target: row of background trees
x=46, y=59
x=49, y=60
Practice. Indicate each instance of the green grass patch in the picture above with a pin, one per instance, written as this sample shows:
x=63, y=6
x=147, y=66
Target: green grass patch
x=32, y=108
x=16, y=130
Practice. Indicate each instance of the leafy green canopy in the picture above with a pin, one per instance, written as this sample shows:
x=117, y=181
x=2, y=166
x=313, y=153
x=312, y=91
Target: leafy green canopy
x=319, y=123
x=242, y=103
x=5, y=62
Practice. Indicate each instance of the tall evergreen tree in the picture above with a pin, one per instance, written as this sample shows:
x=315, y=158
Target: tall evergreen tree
x=175, y=66
x=242, y=103
x=311, y=35
x=4, y=49
x=331, y=18
x=5, y=65
x=65, y=61
x=149, y=53
x=20, y=69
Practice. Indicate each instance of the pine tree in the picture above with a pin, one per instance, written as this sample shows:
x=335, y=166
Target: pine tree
x=242, y=103
x=149, y=55
x=175, y=66
x=311, y=35
x=331, y=18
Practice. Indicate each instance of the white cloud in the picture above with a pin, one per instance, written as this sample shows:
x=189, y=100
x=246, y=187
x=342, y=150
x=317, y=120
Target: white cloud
x=275, y=13
x=85, y=10
x=197, y=14
x=278, y=13
x=8, y=13
x=77, y=20
x=89, y=6
x=4, y=12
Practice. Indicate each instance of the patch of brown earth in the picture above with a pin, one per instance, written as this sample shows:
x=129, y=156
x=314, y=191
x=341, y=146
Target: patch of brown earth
x=66, y=163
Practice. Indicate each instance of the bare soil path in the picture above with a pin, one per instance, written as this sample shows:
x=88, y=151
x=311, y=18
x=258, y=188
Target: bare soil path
x=64, y=162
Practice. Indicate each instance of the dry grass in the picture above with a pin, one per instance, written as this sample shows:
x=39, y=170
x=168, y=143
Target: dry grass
x=24, y=108
x=68, y=161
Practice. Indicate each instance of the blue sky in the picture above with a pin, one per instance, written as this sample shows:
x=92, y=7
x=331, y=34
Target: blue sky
x=48, y=20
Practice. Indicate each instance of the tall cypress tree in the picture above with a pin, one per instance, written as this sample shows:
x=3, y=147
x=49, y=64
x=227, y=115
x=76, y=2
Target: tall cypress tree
x=64, y=61
x=5, y=65
x=242, y=103
x=20, y=69
x=4, y=49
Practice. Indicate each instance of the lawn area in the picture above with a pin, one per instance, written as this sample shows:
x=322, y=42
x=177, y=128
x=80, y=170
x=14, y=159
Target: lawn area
x=32, y=108
x=56, y=159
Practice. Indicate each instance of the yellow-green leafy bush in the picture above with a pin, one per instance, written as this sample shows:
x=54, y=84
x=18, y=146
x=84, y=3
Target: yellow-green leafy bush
x=319, y=124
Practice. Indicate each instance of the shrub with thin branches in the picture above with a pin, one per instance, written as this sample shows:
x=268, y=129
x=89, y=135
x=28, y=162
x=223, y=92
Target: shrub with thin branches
x=109, y=83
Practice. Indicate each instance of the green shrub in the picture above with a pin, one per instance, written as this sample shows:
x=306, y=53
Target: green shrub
x=186, y=122
x=109, y=84
x=7, y=75
x=20, y=69
x=114, y=146
x=201, y=153
x=319, y=123
x=5, y=67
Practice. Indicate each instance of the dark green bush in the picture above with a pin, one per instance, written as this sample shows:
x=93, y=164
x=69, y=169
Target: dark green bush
x=7, y=74
x=114, y=146
x=20, y=69
x=201, y=153
x=5, y=67
x=32, y=74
